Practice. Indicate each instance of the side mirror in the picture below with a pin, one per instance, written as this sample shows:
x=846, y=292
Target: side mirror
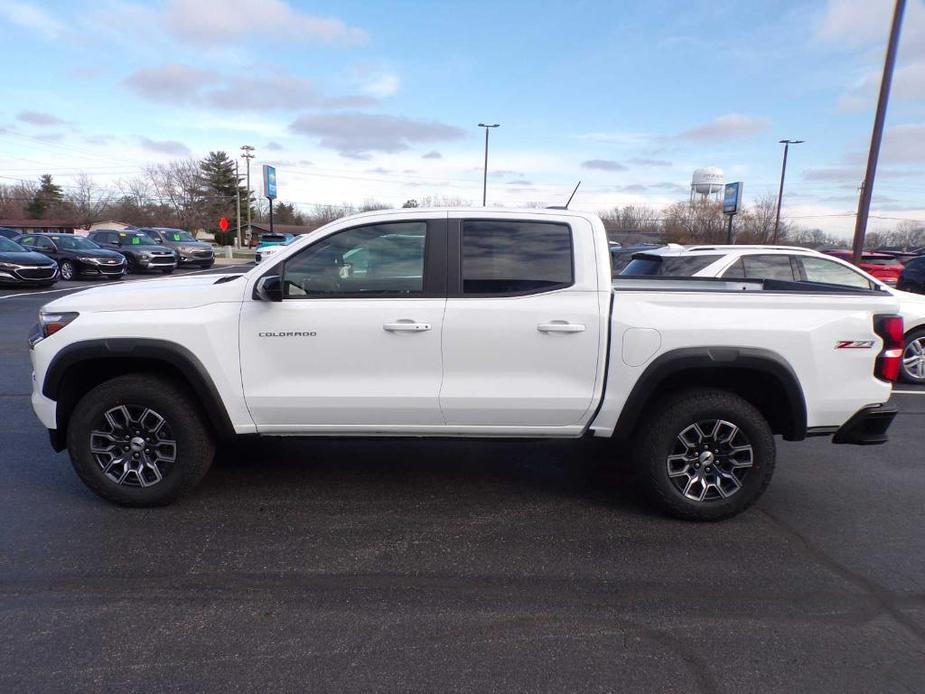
x=269, y=288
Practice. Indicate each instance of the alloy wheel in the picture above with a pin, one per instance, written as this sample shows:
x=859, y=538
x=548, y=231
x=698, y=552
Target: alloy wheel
x=133, y=445
x=67, y=271
x=710, y=460
x=914, y=359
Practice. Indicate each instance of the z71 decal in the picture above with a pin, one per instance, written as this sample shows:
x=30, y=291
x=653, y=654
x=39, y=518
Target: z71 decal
x=854, y=344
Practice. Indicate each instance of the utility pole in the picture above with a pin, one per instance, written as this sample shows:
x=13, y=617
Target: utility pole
x=860, y=225
x=237, y=198
x=248, y=155
x=783, y=173
x=485, y=173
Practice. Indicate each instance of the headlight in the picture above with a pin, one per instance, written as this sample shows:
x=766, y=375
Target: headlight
x=9, y=266
x=88, y=260
x=145, y=256
x=51, y=322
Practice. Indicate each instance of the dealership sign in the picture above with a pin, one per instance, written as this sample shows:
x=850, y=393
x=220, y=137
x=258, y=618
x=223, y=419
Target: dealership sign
x=731, y=197
x=269, y=181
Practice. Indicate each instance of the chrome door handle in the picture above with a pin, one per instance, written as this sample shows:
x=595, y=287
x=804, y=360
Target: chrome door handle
x=560, y=327
x=406, y=326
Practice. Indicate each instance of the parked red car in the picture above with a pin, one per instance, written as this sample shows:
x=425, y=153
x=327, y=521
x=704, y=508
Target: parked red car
x=883, y=266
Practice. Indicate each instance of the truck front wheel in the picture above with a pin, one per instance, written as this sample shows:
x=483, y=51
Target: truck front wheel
x=139, y=440
x=705, y=455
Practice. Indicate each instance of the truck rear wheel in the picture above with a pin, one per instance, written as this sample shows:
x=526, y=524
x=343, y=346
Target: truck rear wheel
x=705, y=455
x=139, y=440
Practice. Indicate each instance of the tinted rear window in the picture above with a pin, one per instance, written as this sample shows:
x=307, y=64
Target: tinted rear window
x=879, y=261
x=515, y=257
x=669, y=266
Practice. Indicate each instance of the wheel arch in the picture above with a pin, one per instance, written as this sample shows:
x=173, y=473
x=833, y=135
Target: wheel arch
x=81, y=366
x=760, y=376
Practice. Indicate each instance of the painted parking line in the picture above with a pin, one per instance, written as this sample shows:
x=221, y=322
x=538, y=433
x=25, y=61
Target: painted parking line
x=909, y=392
x=74, y=289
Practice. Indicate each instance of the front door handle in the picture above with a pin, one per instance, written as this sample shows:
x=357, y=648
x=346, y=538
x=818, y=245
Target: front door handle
x=406, y=326
x=560, y=326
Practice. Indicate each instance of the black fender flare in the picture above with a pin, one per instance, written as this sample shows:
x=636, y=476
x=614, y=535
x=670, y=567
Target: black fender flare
x=698, y=358
x=171, y=353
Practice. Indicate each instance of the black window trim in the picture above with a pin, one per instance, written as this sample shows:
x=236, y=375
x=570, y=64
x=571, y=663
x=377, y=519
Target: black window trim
x=454, y=258
x=434, y=263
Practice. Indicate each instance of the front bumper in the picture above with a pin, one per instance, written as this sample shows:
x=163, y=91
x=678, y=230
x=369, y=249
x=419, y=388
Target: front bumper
x=868, y=426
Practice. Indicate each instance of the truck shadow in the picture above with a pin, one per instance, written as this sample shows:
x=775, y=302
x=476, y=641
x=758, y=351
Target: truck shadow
x=595, y=471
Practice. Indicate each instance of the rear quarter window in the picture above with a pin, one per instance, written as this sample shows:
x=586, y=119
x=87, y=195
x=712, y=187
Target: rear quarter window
x=668, y=266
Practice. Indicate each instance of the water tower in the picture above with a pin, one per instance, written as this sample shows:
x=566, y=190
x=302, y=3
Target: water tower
x=707, y=183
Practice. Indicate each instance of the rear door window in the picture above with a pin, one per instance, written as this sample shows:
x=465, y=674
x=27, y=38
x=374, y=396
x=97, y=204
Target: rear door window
x=763, y=267
x=501, y=258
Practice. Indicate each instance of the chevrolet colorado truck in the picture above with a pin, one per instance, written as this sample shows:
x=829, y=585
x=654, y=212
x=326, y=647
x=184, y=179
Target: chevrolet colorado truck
x=463, y=323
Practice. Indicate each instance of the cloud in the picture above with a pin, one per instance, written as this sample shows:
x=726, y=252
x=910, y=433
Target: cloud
x=99, y=139
x=726, y=127
x=432, y=154
x=642, y=161
x=670, y=187
x=171, y=147
x=603, y=165
x=375, y=81
x=217, y=21
x=520, y=182
x=632, y=188
x=904, y=144
x=357, y=135
x=184, y=85
x=50, y=137
x=27, y=15
x=173, y=83
x=500, y=173
x=274, y=147
x=379, y=170
x=39, y=118
x=853, y=22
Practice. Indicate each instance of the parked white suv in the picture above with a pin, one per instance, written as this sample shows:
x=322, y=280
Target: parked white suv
x=789, y=263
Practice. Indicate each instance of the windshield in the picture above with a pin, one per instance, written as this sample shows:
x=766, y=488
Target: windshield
x=8, y=246
x=72, y=243
x=868, y=260
x=177, y=235
x=136, y=239
x=673, y=266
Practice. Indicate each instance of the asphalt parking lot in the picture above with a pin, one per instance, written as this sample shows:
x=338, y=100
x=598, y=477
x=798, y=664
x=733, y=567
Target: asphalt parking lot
x=455, y=566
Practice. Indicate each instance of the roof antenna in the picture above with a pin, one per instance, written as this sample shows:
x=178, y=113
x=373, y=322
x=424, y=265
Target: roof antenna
x=568, y=202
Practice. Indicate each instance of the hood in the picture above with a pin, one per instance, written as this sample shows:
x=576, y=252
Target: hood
x=146, y=249
x=93, y=252
x=26, y=258
x=153, y=294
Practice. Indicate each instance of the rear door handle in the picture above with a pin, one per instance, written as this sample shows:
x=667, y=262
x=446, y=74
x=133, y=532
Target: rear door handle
x=406, y=326
x=560, y=326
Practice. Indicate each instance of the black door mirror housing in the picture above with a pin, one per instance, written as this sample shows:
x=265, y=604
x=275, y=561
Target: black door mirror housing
x=269, y=288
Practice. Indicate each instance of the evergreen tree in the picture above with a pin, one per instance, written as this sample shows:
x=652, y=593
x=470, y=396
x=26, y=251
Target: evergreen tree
x=48, y=195
x=217, y=173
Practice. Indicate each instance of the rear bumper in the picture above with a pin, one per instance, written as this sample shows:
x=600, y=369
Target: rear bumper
x=868, y=426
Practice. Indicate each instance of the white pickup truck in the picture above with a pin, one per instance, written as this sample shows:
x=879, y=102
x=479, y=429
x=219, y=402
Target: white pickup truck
x=463, y=323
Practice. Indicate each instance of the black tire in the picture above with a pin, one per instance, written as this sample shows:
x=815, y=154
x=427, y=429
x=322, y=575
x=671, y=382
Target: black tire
x=193, y=448
x=915, y=348
x=660, y=437
x=67, y=271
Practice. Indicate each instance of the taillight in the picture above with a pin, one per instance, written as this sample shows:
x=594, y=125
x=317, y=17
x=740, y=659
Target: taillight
x=890, y=359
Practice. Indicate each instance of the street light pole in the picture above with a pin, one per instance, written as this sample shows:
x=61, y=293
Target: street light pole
x=783, y=173
x=487, y=127
x=248, y=155
x=860, y=224
x=237, y=199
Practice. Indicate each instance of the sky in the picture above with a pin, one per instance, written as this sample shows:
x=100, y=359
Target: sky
x=356, y=100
